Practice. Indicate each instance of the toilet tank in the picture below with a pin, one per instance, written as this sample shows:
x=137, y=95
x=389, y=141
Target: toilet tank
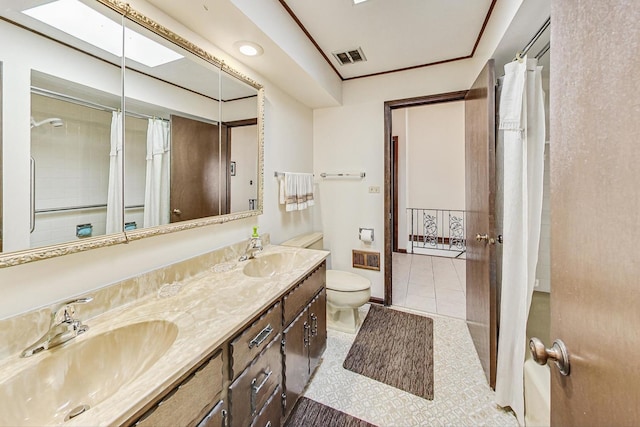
x=308, y=241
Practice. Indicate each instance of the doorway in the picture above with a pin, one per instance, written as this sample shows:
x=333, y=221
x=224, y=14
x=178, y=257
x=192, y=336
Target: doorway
x=411, y=272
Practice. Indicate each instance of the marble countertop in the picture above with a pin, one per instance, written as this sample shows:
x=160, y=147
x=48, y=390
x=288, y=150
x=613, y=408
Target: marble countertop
x=208, y=308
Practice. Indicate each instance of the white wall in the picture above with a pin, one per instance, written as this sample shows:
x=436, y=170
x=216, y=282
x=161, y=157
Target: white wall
x=351, y=137
x=435, y=156
x=288, y=146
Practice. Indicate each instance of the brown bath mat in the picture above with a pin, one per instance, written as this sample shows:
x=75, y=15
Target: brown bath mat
x=395, y=348
x=309, y=413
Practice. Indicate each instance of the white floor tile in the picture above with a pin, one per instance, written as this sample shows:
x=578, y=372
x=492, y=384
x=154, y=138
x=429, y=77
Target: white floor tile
x=424, y=288
x=433, y=285
x=421, y=303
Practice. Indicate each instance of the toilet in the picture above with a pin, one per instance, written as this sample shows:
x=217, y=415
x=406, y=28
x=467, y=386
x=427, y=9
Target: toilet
x=346, y=291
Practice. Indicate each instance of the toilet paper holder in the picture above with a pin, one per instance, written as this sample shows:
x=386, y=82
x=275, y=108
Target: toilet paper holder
x=360, y=234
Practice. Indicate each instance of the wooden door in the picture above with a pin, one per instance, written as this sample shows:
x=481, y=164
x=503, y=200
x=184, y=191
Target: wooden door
x=480, y=189
x=296, y=359
x=318, y=319
x=195, y=169
x=595, y=205
x=394, y=195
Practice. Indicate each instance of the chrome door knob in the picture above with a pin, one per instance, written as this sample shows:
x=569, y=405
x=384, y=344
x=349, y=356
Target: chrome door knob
x=558, y=353
x=482, y=237
x=485, y=238
x=177, y=211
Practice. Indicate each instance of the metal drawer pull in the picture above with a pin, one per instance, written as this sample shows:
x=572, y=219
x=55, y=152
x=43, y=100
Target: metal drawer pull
x=263, y=335
x=314, y=325
x=305, y=338
x=255, y=389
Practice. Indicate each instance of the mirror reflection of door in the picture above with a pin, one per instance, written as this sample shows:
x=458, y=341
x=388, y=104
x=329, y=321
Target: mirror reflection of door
x=198, y=169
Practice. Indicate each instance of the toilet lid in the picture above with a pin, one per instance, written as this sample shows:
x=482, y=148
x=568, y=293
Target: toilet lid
x=346, y=282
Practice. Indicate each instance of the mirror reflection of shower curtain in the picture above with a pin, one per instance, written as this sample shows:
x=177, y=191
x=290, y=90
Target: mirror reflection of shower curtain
x=114, y=194
x=156, y=194
x=522, y=122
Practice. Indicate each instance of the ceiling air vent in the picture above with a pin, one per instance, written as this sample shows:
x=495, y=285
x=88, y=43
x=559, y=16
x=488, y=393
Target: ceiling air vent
x=350, y=56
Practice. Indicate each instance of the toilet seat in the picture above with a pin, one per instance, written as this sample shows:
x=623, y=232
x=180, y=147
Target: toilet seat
x=344, y=281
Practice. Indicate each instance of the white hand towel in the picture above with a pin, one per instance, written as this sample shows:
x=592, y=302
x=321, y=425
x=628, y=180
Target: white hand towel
x=290, y=183
x=511, y=97
x=301, y=191
x=283, y=191
x=309, y=189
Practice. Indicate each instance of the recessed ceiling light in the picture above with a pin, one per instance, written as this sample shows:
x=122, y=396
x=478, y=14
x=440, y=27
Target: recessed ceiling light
x=249, y=48
x=358, y=1
x=87, y=24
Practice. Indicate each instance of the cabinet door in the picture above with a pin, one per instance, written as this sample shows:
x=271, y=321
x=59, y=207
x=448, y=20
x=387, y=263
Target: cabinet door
x=318, y=331
x=296, y=359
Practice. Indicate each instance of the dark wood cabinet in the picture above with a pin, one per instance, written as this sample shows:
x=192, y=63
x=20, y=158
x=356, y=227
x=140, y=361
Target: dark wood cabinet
x=188, y=402
x=296, y=360
x=256, y=376
x=305, y=340
x=249, y=393
x=271, y=415
x=318, y=329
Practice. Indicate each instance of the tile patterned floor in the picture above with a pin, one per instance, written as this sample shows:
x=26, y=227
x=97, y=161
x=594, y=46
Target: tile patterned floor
x=430, y=284
x=461, y=394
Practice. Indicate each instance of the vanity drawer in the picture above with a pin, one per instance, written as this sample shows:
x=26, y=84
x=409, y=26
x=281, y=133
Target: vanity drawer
x=296, y=300
x=249, y=392
x=187, y=403
x=246, y=346
x=271, y=415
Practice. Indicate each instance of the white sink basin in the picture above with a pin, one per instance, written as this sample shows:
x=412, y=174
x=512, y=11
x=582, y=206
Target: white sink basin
x=84, y=372
x=272, y=264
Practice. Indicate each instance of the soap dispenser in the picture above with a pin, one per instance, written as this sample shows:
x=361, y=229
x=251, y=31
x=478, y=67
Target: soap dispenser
x=255, y=245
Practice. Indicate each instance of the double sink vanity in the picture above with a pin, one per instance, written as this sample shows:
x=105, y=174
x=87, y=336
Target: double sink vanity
x=210, y=341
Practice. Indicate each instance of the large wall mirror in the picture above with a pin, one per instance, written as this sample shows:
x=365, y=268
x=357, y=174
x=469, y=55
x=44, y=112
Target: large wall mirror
x=117, y=134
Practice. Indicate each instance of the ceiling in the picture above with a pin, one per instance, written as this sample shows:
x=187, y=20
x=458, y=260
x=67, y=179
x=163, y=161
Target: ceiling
x=393, y=34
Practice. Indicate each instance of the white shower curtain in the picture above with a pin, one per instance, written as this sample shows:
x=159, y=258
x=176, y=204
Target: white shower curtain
x=523, y=124
x=156, y=195
x=114, y=193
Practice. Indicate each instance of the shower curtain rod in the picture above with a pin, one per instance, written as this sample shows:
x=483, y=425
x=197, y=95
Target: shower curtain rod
x=544, y=50
x=533, y=41
x=90, y=104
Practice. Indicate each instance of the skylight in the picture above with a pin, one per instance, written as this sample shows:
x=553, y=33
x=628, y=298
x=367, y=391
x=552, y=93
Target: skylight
x=84, y=23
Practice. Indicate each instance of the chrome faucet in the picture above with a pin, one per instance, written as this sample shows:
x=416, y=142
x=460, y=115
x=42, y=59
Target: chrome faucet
x=255, y=245
x=63, y=327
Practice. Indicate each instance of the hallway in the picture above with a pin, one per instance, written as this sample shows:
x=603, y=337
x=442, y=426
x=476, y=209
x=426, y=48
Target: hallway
x=430, y=284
